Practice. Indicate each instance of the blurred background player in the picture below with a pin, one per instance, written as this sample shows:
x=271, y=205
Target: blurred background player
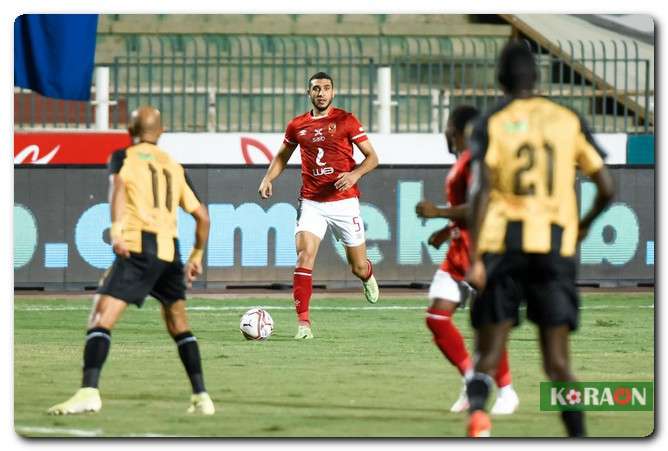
x=146, y=187
x=448, y=288
x=524, y=226
x=329, y=195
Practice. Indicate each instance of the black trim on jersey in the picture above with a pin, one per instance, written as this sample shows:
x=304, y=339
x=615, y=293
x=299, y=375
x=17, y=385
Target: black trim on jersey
x=479, y=140
x=513, y=241
x=116, y=161
x=556, y=234
x=191, y=186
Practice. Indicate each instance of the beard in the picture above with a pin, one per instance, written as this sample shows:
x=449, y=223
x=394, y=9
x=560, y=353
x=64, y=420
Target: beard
x=319, y=108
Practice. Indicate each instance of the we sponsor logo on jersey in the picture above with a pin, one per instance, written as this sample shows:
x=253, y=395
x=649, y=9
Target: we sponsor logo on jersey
x=318, y=135
x=323, y=169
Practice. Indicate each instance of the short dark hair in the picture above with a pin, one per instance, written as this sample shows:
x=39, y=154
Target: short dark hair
x=517, y=67
x=462, y=115
x=320, y=76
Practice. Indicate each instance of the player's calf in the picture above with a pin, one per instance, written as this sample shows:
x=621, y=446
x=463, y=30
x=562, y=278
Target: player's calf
x=96, y=349
x=302, y=289
x=362, y=270
x=190, y=357
x=448, y=338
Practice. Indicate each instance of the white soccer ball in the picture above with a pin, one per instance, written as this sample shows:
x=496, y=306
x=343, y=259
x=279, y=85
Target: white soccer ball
x=256, y=324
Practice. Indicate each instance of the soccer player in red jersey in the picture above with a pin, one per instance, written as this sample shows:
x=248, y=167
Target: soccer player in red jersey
x=448, y=288
x=329, y=195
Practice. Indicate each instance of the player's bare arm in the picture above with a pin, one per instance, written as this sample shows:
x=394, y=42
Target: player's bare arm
x=278, y=164
x=117, y=202
x=427, y=209
x=440, y=236
x=347, y=180
x=604, y=192
x=194, y=264
x=479, y=195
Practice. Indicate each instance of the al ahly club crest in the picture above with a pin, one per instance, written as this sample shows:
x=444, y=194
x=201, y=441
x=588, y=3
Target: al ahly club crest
x=332, y=128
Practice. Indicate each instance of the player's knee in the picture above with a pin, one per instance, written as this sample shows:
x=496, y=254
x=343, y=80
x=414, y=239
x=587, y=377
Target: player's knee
x=444, y=304
x=558, y=369
x=105, y=312
x=177, y=327
x=305, y=258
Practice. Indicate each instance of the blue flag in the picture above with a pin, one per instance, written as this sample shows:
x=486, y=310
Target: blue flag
x=54, y=54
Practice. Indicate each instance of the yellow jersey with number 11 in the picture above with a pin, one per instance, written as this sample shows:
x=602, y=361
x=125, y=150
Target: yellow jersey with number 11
x=155, y=185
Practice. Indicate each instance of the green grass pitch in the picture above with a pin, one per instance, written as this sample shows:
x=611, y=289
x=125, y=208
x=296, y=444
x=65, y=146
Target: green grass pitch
x=371, y=371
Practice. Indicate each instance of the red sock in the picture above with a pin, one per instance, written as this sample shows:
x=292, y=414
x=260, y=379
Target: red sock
x=370, y=273
x=448, y=339
x=302, y=287
x=503, y=377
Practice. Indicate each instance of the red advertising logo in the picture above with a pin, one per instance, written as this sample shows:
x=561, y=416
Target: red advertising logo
x=66, y=148
x=247, y=143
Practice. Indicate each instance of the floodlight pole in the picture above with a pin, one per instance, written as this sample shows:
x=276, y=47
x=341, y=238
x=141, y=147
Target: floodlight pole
x=102, y=98
x=384, y=101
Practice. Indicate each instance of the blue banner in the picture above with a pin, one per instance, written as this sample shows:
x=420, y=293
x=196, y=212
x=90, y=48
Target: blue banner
x=54, y=54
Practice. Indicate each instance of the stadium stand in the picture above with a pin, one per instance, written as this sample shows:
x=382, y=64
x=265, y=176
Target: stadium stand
x=247, y=72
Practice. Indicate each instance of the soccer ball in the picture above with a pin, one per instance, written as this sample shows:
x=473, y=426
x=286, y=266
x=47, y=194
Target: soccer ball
x=256, y=324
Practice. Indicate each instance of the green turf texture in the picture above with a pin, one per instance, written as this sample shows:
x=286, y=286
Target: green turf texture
x=371, y=372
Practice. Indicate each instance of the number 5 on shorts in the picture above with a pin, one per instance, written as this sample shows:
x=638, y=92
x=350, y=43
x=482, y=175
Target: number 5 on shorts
x=356, y=221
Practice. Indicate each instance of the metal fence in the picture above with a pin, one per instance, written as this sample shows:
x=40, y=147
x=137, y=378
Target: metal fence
x=229, y=83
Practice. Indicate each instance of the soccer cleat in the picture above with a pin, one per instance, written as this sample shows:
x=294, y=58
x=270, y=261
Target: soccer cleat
x=506, y=402
x=201, y=404
x=86, y=399
x=462, y=403
x=304, y=333
x=371, y=291
x=479, y=425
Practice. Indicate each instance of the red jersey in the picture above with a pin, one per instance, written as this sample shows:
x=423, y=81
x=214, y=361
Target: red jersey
x=457, y=261
x=326, y=146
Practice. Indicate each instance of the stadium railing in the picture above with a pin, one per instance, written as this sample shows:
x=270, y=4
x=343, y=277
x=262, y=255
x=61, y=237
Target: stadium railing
x=243, y=83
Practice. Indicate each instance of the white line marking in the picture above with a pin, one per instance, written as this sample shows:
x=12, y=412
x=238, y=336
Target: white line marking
x=43, y=430
x=85, y=433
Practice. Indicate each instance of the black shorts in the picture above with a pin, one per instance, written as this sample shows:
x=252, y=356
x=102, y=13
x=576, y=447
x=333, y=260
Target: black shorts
x=544, y=282
x=132, y=279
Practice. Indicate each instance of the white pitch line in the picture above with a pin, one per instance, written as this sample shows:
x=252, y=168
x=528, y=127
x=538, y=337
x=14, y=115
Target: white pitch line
x=84, y=433
x=44, y=430
x=49, y=308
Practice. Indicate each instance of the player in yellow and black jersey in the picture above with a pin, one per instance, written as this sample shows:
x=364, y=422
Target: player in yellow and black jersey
x=525, y=225
x=146, y=188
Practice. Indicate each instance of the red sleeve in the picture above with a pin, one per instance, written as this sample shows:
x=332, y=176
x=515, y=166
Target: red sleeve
x=466, y=168
x=290, y=135
x=356, y=132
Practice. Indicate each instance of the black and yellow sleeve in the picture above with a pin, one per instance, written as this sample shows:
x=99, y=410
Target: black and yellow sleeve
x=116, y=161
